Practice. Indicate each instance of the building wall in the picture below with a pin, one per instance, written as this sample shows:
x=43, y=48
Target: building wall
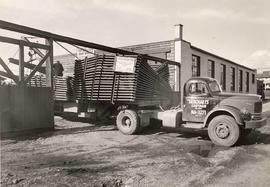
x=183, y=50
x=185, y=64
x=218, y=61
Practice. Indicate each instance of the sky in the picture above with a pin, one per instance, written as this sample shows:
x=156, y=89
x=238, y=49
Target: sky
x=238, y=30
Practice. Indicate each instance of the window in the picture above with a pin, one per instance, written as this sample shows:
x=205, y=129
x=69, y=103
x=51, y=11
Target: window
x=198, y=89
x=223, y=76
x=253, y=78
x=247, y=82
x=196, y=65
x=232, y=79
x=211, y=69
x=214, y=86
x=240, y=79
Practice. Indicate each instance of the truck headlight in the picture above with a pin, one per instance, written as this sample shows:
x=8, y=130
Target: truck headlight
x=245, y=114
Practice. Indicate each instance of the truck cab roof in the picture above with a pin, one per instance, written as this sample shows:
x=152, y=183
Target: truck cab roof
x=205, y=79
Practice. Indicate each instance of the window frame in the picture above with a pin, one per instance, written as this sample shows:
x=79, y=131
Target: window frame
x=223, y=76
x=240, y=80
x=247, y=81
x=253, y=78
x=196, y=66
x=211, y=68
x=232, y=73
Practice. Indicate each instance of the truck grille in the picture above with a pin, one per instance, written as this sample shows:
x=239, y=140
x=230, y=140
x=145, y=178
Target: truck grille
x=258, y=107
x=256, y=116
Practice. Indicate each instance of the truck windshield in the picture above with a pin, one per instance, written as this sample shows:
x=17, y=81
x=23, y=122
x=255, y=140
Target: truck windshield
x=214, y=86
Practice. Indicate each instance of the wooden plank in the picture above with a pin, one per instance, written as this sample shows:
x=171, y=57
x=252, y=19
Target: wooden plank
x=36, y=32
x=49, y=64
x=35, y=69
x=9, y=72
x=35, y=49
x=21, y=63
x=28, y=65
x=5, y=74
x=17, y=42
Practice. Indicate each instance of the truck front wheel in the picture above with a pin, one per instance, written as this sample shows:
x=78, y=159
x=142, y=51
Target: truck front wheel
x=223, y=130
x=127, y=122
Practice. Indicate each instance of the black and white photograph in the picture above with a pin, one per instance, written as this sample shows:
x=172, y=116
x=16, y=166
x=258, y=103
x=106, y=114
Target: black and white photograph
x=138, y=93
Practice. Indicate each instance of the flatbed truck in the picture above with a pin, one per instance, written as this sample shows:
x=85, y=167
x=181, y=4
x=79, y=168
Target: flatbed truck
x=226, y=116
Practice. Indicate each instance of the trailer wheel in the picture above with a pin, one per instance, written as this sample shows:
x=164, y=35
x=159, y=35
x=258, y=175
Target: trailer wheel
x=127, y=122
x=224, y=131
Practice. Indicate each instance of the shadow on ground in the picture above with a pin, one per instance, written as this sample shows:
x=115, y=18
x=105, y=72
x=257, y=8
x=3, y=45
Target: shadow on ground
x=256, y=137
x=59, y=130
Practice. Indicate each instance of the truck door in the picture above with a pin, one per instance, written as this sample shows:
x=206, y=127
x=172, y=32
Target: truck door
x=197, y=102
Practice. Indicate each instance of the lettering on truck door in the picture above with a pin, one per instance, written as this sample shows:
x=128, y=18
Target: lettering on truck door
x=196, y=102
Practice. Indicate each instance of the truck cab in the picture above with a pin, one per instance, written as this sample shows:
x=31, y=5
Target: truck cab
x=226, y=116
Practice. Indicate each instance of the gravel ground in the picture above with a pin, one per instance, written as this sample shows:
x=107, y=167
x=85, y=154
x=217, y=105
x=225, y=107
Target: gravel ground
x=83, y=154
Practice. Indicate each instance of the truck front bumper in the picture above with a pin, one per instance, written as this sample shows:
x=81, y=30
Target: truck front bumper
x=252, y=124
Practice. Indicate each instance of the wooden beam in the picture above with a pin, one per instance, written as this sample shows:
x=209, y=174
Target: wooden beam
x=49, y=64
x=28, y=65
x=5, y=74
x=21, y=63
x=17, y=42
x=36, y=32
x=8, y=71
x=35, y=49
x=35, y=69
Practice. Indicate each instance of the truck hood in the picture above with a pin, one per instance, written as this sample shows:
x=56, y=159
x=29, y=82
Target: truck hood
x=250, y=102
x=240, y=97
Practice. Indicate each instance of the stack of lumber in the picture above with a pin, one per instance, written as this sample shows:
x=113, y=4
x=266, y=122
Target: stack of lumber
x=63, y=86
x=163, y=71
x=95, y=80
x=37, y=81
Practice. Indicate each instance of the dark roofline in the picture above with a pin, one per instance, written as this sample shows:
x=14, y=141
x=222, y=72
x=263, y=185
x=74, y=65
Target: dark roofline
x=216, y=56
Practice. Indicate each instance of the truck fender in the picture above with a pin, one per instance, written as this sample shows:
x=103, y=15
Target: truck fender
x=224, y=110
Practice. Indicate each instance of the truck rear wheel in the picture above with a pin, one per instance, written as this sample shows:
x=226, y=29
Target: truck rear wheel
x=127, y=122
x=223, y=130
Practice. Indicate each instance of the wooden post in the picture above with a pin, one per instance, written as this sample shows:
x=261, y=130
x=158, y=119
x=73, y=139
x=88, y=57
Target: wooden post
x=49, y=64
x=49, y=75
x=21, y=64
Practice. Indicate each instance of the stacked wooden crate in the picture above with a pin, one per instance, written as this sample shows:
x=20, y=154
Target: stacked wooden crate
x=37, y=81
x=63, y=90
x=96, y=80
x=63, y=86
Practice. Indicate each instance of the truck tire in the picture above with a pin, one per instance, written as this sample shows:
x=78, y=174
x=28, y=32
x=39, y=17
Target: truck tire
x=127, y=122
x=224, y=131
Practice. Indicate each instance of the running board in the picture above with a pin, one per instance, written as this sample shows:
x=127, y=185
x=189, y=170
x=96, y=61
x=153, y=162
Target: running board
x=193, y=125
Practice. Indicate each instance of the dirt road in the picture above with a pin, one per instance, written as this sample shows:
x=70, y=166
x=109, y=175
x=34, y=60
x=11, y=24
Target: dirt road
x=81, y=154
